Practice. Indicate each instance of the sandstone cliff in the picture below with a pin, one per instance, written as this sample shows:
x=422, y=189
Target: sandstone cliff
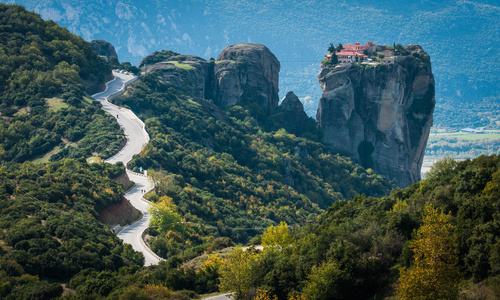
x=188, y=73
x=380, y=115
x=246, y=72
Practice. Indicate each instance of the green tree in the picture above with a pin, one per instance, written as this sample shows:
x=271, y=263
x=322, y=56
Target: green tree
x=278, y=238
x=434, y=274
x=236, y=273
x=333, y=60
x=332, y=49
x=325, y=282
x=442, y=170
x=164, y=214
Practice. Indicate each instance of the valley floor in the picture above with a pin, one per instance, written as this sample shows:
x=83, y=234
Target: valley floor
x=459, y=146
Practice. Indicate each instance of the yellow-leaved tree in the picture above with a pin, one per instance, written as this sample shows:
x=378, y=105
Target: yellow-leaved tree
x=435, y=273
x=264, y=295
x=236, y=273
x=278, y=238
x=164, y=214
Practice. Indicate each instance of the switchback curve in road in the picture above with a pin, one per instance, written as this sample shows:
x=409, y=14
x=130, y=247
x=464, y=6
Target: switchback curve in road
x=137, y=137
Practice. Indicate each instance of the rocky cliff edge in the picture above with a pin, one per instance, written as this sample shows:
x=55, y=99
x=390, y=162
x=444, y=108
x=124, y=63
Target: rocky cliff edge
x=243, y=74
x=380, y=115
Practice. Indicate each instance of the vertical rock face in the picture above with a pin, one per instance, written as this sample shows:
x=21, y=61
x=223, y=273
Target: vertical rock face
x=246, y=72
x=380, y=115
x=103, y=48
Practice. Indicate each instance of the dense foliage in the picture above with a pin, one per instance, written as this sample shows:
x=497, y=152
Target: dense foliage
x=218, y=175
x=434, y=274
x=49, y=226
x=352, y=252
x=356, y=248
x=44, y=74
x=225, y=171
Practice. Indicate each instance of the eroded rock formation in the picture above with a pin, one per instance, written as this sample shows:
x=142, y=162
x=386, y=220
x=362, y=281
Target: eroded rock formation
x=247, y=72
x=104, y=48
x=380, y=115
x=291, y=115
x=244, y=74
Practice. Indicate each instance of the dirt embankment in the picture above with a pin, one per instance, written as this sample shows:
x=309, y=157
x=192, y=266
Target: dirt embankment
x=121, y=214
x=125, y=181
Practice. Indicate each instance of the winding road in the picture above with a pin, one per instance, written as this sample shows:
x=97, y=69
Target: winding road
x=137, y=137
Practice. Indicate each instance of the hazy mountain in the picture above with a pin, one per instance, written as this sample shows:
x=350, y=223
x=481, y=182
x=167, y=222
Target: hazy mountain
x=460, y=36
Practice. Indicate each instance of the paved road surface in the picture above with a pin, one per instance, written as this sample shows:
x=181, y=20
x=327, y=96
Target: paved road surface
x=131, y=124
x=132, y=234
x=136, y=138
x=220, y=297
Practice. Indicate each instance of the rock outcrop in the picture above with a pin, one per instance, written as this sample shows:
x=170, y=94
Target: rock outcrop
x=105, y=49
x=156, y=57
x=246, y=72
x=291, y=115
x=380, y=115
x=188, y=73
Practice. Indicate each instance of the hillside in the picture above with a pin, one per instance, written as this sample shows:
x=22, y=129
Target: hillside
x=229, y=165
x=224, y=174
x=460, y=36
x=358, y=247
x=50, y=230
x=46, y=76
x=220, y=168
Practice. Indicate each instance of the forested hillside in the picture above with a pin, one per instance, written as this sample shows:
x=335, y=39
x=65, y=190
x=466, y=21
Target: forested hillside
x=49, y=228
x=224, y=170
x=358, y=247
x=46, y=74
x=354, y=251
x=222, y=177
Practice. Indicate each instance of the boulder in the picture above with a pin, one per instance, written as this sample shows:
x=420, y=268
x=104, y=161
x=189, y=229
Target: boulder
x=291, y=115
x=188, y=73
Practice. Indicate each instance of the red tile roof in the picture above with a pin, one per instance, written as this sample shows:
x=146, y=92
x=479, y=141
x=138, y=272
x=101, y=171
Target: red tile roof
x=350, y=53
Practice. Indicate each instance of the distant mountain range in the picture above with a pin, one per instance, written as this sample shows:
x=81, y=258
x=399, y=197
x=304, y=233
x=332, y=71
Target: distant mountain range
x=462, y=38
